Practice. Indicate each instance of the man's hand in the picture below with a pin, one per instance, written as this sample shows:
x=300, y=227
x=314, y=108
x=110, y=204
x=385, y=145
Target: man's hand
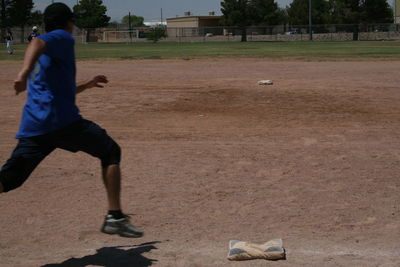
x=20, y=82
x=95, y=82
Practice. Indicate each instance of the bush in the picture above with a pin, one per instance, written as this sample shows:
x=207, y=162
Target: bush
x=156, y=34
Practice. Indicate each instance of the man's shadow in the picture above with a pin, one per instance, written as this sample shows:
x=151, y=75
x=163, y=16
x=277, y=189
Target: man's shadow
x=113, y=257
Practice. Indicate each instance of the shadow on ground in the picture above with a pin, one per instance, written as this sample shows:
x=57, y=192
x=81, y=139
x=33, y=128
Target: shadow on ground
x=120, y=256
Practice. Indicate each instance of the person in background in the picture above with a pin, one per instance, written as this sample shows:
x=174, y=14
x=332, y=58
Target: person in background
x=33, y=34
x=9, y=40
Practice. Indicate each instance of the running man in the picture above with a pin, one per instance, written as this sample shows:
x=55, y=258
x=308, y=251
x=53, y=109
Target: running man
x=9, y=40
x=51, y=118
x=33, y=34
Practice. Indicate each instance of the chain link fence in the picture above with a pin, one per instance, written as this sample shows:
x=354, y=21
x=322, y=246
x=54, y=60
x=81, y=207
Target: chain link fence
x=122, y=34
x=286, y=33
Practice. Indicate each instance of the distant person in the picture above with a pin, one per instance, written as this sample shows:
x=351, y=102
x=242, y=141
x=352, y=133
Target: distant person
x=33, y=34
x=51, y=119
x=9, y=40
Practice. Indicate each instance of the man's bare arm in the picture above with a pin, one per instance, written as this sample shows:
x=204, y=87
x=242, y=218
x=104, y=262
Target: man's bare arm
x=95, y=82
x=32, y=53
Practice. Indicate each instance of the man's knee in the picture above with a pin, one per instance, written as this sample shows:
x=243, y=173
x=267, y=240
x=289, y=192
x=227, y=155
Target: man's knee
x=112, y=156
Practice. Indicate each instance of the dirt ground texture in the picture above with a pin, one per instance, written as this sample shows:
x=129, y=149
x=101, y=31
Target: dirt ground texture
x=210, y=156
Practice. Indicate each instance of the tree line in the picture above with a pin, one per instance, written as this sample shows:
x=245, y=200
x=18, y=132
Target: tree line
x=242, y=13
x=267, y=12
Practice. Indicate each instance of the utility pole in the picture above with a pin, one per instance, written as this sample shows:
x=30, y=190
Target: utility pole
x=130, y=26
x=161, y=17
x=310, y=19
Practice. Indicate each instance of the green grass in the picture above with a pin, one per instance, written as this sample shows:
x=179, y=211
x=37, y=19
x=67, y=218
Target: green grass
x=303, y=51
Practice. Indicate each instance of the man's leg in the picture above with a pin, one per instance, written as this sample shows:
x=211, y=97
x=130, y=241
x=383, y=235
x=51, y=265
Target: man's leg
x=88, y=137
x=116, y=222
x=23, y=161
x=9, y=47
x=112, y=182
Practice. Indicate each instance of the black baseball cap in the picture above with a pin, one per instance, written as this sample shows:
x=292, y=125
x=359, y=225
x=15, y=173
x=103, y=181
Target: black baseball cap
x=56, y=16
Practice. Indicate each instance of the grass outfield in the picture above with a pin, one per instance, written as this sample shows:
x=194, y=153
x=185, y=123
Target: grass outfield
x=303, y=51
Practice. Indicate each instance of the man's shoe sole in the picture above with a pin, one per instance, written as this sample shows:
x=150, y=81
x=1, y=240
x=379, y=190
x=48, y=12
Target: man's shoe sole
x=123, y=234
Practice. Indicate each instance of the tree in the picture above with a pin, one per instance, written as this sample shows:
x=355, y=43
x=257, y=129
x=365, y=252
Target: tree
x=264, y=12
x=360, y=11
x=156, y=34
x=376, y=11
x=345, y=11
x=36, y=18
x=91, y=14
x=4, y=5
x=283, y=16
x=237, y=13
x=136, y=21
x=20, y=12
x=298, y=12
x=340, y=12
x=244, y=13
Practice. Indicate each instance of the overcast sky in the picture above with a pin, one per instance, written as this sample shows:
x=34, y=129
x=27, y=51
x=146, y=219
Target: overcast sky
x=151, y=9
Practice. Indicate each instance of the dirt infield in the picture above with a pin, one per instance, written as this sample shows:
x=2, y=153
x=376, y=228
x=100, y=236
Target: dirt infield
x=209, y=156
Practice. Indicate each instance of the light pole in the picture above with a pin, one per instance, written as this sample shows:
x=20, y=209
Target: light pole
x=130, y=26
x=310, y=19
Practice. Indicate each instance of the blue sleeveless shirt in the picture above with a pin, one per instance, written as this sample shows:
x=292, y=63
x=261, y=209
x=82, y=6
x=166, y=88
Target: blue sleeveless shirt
x=50, y=103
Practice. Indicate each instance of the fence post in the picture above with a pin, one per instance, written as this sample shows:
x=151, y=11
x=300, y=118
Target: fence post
x=356, y=31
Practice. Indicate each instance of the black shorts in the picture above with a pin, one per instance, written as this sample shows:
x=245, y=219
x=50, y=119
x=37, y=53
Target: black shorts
x=82, y=135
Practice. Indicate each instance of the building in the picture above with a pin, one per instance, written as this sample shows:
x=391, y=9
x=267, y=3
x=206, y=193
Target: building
x=191, y=25
x=193, y=21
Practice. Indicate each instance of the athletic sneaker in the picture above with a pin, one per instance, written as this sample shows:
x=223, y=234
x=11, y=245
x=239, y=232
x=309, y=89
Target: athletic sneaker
x=122, y=227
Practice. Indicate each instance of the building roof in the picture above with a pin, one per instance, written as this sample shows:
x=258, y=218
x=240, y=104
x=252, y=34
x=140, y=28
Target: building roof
x=198, y=17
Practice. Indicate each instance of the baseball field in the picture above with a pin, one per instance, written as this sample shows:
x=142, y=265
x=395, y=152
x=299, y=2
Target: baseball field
x=209, y=156
x=300, y=51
